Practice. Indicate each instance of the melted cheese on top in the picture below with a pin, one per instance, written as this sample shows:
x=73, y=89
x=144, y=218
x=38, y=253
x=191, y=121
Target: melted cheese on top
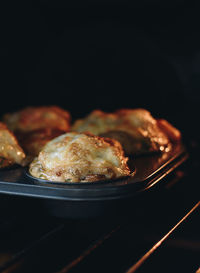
x=35, y=126
x=136, y=129
x=78, y=157
x=34, y=118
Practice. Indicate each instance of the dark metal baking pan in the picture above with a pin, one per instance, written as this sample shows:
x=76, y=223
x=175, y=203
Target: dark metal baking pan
x=83, y=200
x=149, y=170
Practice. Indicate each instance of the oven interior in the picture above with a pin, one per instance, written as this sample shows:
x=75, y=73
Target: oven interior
x=105, y=55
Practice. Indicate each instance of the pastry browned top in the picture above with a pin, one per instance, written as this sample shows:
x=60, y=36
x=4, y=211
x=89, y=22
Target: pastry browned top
x=79, y=157
x=10, y=151
x=135, y=129
x=35, y=126
x=34, y=118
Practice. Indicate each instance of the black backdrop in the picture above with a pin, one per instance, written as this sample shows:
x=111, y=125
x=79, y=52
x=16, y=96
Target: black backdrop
x=105, y=55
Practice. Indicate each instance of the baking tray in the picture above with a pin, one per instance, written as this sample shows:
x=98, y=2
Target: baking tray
x=85, y=199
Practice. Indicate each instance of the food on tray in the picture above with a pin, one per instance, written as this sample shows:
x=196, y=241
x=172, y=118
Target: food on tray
x=80, y=157
x=135, y=129
x=34, y=118
x=34, y=141
x=173, y=133
x=35, y=126
x=10, y=151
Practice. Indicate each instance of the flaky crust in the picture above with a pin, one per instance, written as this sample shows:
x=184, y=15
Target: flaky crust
x=34, y=141
x=35, y=126
x=10, y=151
x=34, y=118
x=75, y=157
x=135, y=129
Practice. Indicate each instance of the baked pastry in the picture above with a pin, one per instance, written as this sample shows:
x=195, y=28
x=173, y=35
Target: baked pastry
x=79, y=157
x=34, y=141
x=135, y=129
x=10, y=151
x=34, y=118
x=35, y=126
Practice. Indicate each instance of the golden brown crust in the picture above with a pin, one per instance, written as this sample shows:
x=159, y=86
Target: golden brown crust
x=35, y=126
x=173, y=133
x=126, y=141
x=10, y=151
x=34, y=118
x=75, y=157
x=135, y=129
x=34, y=141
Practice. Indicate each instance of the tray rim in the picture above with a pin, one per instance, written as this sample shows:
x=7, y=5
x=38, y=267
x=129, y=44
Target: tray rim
x=89, y=193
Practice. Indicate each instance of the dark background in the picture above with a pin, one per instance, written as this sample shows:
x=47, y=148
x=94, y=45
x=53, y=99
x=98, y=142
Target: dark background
x=102, y=54
x=83, y=55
